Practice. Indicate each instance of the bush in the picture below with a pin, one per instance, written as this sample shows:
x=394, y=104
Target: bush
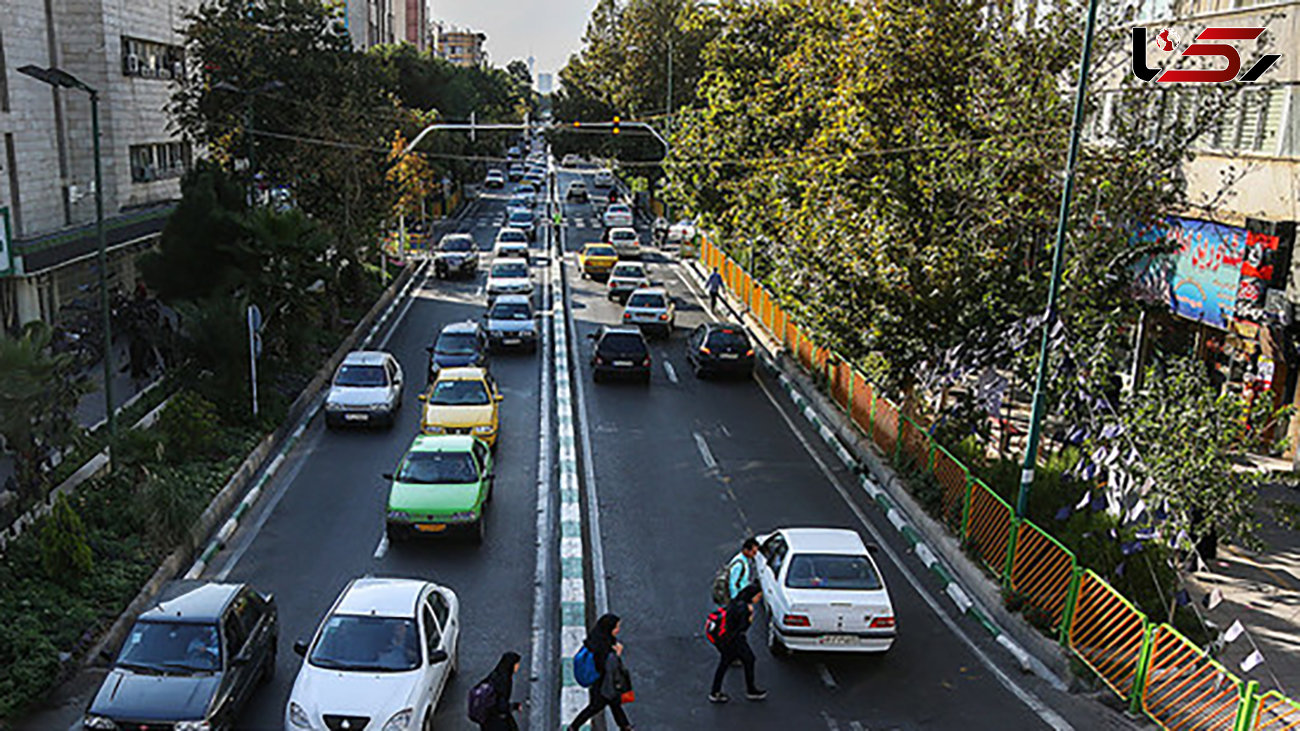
x=65, y=557
x=187, y=427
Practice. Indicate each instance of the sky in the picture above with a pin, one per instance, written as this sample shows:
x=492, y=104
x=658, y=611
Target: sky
x=549, y=30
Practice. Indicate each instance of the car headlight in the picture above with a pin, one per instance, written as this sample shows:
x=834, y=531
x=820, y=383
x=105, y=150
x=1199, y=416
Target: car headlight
x=378, y=407
x=193, y=726
x=100, y=723
x=333, y=406
x=484, y=429
x=400, y=720
x=398, y=515
x=432, y=429
x=297, y=716
x=462, y=516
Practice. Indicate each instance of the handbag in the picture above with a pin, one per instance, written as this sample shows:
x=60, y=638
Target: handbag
x=627, y=697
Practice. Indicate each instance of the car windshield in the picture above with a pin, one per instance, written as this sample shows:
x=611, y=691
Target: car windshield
x=728, y=339
x=645, y=299
x=456, y=344
x=521, y=218
x=171, y=647
x=459, y=393
x=577, y=186
x=623, y=235
x=361, y=376
x=632, y=272
x=512, y=235
x=457, y=245
x=831, y=571
x=367, y=644
x=510, y=311
x=601, y=251
x=511, y=270
x=438, y=468
x=623, y=344
x=619, y=208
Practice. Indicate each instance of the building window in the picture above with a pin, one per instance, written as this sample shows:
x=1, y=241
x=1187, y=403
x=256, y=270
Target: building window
x=4, y=79
x=159, y=161
x=151, y=60
x=1252, y=124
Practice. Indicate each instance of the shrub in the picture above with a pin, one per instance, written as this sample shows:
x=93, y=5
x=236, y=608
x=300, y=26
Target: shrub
x=188, y=426
x=65, y=556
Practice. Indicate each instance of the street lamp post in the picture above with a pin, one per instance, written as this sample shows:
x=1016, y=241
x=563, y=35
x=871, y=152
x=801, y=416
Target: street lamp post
x=61, y=79
x=1058, y=264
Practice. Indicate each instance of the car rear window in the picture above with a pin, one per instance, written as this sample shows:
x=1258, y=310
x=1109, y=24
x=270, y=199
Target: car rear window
x=623, y=235
x=510, y=270
x=728, y=338
x=521, y=217
x=457, y=244
x=438, y=468
x=619, y=208
x=456, y=344
x=601, y=251
x=512, y=235
x=831, y=571
x=510, y=311
x=645, y=299
x=361, y=376
x=630, y=270
x=623, y=344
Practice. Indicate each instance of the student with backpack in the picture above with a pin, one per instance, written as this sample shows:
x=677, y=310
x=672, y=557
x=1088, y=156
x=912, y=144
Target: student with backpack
x=726, y=629
x=737, y=574
x=598, y=666
x=489, y=701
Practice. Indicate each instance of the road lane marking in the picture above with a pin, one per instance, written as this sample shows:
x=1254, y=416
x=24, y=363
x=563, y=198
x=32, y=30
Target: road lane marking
x=382, y=548
x=706, y=454
x=827, y=679
x=830, y=722
x=672, y=374
x=1041, y=709
x=856, y=726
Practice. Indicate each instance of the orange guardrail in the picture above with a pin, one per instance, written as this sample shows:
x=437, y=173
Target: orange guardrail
x=1107, y=633
x=1185, y=688
x=1041, y=571
x=860, y=402
x=955, y=481
x=913, y=447
x=988, y=526
x=884, y=426
x=839, y=383
x=1276, y=712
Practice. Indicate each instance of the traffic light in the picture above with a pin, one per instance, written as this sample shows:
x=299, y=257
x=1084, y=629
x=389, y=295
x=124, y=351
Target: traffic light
x=615, y=128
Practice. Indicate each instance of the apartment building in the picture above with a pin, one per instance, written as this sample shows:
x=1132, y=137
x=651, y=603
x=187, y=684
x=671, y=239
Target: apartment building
x=461, y=47
x=130, y=51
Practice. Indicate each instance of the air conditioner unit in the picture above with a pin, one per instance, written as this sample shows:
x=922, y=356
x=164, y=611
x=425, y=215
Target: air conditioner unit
x=178, y=70
x=132, y=64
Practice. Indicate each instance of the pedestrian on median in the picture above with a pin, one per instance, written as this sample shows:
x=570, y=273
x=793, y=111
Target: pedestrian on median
x=713, y=285
x=733, y=644
x=493, y=704
x=614, y=683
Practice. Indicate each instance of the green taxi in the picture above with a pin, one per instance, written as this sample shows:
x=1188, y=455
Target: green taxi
x=441, y=485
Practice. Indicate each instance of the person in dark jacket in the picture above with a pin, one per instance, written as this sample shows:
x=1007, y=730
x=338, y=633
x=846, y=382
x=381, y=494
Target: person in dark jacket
x=602, y=642
x=734, y=645
x=502, y=718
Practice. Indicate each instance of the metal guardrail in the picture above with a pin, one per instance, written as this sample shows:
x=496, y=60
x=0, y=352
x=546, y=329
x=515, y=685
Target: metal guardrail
x=1150, y=665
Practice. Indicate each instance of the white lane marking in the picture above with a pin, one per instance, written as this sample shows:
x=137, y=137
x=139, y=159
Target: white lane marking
x=545, y=527
x=830, y=722
x=827, y=679
x=672, y=374
x=382, y=548
x=383, y=343
x=706, y=454
x=723, y=427
x=1046, y=714
x=856, y=726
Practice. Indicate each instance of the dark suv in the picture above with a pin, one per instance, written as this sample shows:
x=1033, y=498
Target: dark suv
x=456, y=254
x=620, y=351
x=720, y=348
x=192, y=661
x=459, y=344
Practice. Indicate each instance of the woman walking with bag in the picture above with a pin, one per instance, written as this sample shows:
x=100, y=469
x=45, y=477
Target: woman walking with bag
x=615, y=684
x=499, y=712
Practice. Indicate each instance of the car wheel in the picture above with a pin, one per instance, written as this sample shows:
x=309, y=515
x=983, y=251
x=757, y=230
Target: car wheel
x=774, y=644
x=395, y=534
x=428, y=720
x=477, y=536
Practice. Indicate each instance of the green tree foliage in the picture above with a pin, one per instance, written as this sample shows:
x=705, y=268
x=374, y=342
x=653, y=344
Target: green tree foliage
x=65, y=555
x=187, y=427
x=38, y=399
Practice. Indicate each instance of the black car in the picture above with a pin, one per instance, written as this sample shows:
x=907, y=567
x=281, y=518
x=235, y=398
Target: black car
x=459, y=344
x=456, y=254
x=577, y=192
x=620, y=352
x=196, y=657
x=716, y=348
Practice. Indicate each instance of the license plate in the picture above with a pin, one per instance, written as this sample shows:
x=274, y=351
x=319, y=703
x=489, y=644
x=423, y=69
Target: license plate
x=837, y=640
x=623, y=363
x=356, y=417
x=511, y=341
x=431, y=527
x=728, y=356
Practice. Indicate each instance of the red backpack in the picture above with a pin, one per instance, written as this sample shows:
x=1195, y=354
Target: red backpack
x=715, y=627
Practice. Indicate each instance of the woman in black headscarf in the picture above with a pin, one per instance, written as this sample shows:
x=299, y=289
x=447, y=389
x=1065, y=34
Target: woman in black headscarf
x=602, y=642
x=501, y=718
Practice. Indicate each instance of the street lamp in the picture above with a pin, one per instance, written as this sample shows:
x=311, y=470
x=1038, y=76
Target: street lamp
x=248, y=94
x=57, y=78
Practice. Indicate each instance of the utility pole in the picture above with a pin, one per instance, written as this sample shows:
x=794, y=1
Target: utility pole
x=669, y=104
x=1058, y=264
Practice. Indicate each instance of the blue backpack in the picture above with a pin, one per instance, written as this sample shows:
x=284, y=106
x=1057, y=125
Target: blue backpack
x=584, y=668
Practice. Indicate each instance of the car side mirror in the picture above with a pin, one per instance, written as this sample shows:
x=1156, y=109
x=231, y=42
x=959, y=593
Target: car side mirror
x=873, y=547
x=300, y=647
x=437, y=656
x=423, y=397
x=591, y=336
x=429, y=350
x=500, y=397
x=387, y=476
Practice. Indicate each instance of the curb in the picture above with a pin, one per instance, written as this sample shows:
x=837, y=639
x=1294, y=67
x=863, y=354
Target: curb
x=897, y=516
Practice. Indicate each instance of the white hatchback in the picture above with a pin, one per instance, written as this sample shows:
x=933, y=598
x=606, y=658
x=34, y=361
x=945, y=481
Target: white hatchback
x=380, y=659
x=617, y=215
x=823, y=592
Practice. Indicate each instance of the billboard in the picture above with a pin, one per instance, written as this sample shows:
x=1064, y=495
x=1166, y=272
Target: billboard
x=1200, y=278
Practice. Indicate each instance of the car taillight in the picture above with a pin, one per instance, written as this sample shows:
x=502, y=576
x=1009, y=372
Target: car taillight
x=663, y=316
x=600, y=360
x=627, y=315
x=795, y=620
x=705, y=350
x=749, y=352
x=882, y=623
x=646, y=362
x=612, y=284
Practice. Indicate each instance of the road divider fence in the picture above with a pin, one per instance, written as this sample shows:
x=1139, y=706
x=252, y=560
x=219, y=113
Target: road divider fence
x=1148, y=664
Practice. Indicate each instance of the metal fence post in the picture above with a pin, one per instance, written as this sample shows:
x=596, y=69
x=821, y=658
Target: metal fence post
x=1013, y=536
x=965, y=505
x=871, y=415
x=848, y=402
x=1249, y=706
x=1071, y=600
x=1140, y=675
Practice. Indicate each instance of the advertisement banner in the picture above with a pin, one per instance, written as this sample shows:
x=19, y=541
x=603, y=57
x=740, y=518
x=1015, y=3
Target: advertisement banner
x=1256, y=275
x=1200, y=278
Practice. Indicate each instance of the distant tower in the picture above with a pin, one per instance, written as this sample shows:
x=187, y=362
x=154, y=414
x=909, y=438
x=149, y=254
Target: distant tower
x=531, y=63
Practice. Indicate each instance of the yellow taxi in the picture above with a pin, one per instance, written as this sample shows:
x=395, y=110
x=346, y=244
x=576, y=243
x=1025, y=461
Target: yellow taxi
x=462, y=401
x=596, y=260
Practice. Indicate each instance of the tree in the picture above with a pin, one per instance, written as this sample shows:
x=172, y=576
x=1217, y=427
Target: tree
x=519, y=71
x=38, y=401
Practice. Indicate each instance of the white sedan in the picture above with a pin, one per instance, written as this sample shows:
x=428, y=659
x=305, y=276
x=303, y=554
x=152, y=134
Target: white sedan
x=618, y=215
x=379, y=660
x=625, y=241
x=823, y=592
